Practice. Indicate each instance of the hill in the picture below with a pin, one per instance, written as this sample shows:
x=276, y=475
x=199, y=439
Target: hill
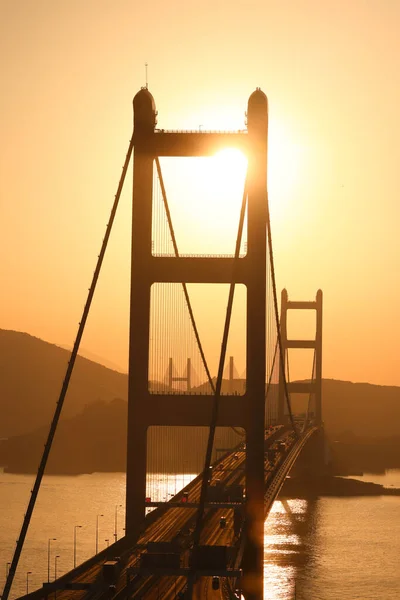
x=94, y=440
x=362, y=409
x=31, y=376
x=94, y=415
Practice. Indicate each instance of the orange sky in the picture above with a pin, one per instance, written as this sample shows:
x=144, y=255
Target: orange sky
x=69, y=71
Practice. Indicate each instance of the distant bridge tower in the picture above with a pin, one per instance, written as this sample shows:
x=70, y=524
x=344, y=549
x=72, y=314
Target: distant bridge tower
x=315, y=386
x=185, y=378
x=247, y=411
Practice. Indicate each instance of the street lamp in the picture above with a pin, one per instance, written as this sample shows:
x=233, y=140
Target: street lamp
x=107, y=541
x=55, y=575
x=48, y=557
x=75, y=528
x=117, y=506
x=55, y=566
x=97, y=532
x=27, y=581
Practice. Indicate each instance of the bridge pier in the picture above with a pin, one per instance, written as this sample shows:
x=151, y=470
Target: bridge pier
x=312, y=460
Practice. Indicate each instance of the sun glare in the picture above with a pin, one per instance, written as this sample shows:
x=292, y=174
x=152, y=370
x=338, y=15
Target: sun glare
x=228, y=171
x=231, y=158
x=205, y=195
x=285, y=165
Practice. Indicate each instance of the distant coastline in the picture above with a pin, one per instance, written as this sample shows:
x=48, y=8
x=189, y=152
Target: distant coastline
x=298, y=487
x=360, y=437
x=334, y=486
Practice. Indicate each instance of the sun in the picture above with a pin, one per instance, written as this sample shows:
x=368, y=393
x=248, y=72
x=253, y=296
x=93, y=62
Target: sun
x=205, y=195
x=228, y=169
x=231, y=159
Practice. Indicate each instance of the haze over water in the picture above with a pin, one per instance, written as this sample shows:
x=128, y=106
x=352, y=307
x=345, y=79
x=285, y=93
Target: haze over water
x=334, y=548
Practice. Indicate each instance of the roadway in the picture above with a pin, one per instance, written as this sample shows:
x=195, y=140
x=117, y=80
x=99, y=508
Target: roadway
x=173, y=525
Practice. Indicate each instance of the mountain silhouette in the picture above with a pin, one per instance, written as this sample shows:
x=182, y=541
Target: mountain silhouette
x=92, y=431
x=31, y=376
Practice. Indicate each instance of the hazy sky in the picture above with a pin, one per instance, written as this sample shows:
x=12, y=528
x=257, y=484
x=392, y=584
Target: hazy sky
x=69, y=70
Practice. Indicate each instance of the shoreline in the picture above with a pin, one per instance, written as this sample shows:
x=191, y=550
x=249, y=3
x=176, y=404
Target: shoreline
x=294, y=487
x=333, y=486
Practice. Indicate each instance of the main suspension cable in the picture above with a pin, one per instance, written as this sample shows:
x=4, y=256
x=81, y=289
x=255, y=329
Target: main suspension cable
x=281, y=357
x=272, y=369
x=60, y=402
x=310, y=394
x=287, y=366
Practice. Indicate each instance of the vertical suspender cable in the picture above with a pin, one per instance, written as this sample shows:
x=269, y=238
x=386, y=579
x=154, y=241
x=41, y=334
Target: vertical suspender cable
x=310, y=394
x=215, y=388
x=217, y=394
x=60, y=402
x=271, y=370
x=184, y=287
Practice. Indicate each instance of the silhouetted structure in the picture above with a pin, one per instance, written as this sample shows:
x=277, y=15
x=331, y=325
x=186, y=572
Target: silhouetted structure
x=247, y=411
x=314, y=386
x=267, y=455
x=184, y=378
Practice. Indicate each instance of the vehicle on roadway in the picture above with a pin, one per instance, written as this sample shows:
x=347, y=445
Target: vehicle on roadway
x=215, y=582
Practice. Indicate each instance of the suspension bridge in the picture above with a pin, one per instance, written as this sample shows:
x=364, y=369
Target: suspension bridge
x=205, y=539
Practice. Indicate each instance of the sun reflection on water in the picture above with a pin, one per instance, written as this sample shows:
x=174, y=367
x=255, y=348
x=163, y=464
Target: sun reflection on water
x=282, y=545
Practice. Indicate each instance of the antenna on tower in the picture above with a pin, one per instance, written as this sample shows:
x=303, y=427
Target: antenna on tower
x=147, y=83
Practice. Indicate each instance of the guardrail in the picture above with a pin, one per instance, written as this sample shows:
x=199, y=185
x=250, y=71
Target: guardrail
x=204, y=131
x=280, y=472
x=284, y=467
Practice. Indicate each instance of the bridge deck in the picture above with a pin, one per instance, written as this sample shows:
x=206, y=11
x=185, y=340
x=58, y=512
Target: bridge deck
x=173, y=522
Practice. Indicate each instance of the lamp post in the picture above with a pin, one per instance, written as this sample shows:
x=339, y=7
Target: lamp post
x=185, y=462
x=117, y=506
x=107, y=542
x=48, y=557
x=55, y=574
x=55, y=566
x=75, y=528
x=27, y=581
x=97, y=532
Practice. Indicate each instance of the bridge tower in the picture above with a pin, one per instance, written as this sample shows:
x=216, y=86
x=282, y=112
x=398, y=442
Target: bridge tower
x=314, y=386
x=185, y=378
x=147, y=409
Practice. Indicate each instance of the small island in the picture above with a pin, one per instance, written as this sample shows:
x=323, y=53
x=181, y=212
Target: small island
x=329, y=485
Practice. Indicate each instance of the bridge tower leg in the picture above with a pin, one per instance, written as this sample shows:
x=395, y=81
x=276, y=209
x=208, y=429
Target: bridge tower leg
x=283, y=362
x=314, y=386
x=230, y=380
x=188, y=375
x=149, y=409
x=318, y=360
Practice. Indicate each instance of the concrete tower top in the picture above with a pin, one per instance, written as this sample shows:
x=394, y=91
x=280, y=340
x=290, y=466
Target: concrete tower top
x=144, y=111
x=257, y=112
